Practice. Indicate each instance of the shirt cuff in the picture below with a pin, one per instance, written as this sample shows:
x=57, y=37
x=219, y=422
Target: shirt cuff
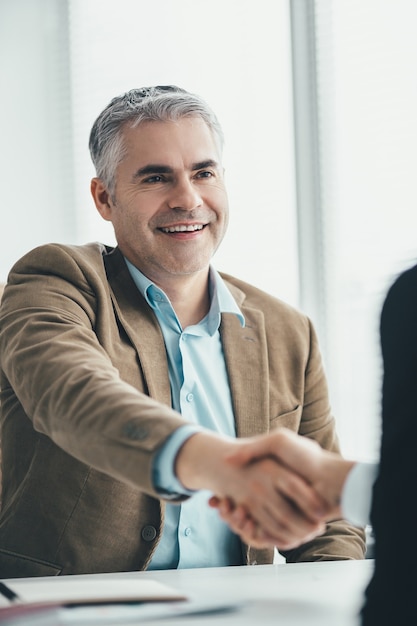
x=164, y=479
x=357, y=493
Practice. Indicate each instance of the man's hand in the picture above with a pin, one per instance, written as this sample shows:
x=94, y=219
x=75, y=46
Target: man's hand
x=269, y=503
x=322, y=470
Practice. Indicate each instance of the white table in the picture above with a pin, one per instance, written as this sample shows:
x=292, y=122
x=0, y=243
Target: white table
x=304, y=594
x=328, y=593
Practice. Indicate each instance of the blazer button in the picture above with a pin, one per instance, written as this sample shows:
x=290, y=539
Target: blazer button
x=148, y=533
x=135, y=431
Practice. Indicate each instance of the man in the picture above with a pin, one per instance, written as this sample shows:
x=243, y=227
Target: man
x=128, y=373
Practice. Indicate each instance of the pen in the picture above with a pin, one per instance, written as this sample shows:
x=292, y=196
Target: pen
x=8, y=593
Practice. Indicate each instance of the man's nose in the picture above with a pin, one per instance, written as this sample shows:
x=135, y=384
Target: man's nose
x=184, y=195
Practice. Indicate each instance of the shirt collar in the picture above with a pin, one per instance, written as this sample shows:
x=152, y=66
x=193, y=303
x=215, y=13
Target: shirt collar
x=222, y=300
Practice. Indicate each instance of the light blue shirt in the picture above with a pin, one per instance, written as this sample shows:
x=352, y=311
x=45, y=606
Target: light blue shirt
x=193, y=533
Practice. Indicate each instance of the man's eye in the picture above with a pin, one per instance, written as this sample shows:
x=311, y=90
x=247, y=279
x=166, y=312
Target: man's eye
x=204, y=174
x=153, y=179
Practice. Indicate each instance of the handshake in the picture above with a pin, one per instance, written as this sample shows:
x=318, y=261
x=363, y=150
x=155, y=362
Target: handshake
x=273, y=490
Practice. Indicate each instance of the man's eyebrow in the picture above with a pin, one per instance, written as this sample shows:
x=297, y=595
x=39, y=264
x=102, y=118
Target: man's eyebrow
x=201, y=165
x=152, y=168
x=155, y=168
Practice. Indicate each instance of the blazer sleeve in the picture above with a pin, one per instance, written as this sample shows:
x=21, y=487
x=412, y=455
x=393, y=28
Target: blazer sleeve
x=57, y=329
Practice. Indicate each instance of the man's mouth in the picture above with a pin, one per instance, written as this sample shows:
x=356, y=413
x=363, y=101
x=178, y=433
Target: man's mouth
x=182, y=228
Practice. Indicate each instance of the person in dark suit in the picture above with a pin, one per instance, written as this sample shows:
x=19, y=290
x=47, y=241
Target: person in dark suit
x=391, y=594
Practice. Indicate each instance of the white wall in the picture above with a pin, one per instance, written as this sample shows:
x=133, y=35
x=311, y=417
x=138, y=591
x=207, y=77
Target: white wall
x=37, y=187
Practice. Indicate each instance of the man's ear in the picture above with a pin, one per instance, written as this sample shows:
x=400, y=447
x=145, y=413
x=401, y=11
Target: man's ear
x=101, y=198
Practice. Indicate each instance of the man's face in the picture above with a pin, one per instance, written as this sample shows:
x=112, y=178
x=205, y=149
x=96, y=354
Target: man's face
x=170, y=207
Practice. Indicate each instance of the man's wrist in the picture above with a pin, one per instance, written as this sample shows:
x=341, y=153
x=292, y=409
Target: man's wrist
x=198, y=458
x=163, y=469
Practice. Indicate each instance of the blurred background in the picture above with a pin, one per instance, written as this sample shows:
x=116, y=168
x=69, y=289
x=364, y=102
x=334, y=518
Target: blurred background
x=318, y=102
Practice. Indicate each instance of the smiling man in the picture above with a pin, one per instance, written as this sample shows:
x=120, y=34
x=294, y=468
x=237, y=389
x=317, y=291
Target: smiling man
x=170, y=197
x=129, y=375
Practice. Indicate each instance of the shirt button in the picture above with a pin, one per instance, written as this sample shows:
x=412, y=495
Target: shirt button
x=189, y=397
x=158, y=297
x=187, y=532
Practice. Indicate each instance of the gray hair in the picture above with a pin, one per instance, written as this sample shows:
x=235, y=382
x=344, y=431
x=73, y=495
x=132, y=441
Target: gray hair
x=161, y=103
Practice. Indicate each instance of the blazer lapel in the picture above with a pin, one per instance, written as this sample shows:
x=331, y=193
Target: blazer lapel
x=245, y=352
x=141, y=326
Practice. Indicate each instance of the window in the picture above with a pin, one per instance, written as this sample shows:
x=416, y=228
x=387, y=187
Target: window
x=237, y=55
x=363, y=137
x=352, y=103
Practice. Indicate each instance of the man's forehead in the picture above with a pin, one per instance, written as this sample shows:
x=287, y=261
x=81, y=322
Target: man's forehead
x=159, y=142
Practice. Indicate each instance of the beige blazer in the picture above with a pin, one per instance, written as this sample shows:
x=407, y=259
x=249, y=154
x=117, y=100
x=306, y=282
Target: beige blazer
x=85, y=403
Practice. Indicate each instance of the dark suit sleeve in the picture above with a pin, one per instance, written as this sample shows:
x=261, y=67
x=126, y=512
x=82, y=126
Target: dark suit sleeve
x=390, y=597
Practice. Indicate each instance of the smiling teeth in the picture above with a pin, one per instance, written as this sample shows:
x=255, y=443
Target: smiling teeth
x=182, y=228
